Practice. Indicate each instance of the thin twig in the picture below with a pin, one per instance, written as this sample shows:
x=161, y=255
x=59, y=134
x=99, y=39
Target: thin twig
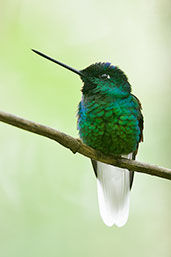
x=76, y=146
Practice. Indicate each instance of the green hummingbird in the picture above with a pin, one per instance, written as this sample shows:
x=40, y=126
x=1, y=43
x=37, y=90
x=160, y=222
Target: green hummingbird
x=109, y=120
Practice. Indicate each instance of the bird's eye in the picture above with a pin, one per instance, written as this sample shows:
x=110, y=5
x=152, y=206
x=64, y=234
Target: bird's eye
x=105, y=76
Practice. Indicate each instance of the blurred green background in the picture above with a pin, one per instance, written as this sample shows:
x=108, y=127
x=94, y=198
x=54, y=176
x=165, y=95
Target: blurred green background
x=48, y=201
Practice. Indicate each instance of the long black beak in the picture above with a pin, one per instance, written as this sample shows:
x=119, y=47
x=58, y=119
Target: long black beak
x=57, y=62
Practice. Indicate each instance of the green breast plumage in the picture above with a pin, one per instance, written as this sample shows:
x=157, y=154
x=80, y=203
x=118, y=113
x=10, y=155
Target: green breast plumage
x=112, y=126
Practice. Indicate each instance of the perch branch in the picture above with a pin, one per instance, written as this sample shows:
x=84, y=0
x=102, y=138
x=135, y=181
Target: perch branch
x=76, y=146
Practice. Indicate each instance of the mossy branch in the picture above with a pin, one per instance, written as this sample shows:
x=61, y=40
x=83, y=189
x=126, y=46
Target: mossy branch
x=76, y=146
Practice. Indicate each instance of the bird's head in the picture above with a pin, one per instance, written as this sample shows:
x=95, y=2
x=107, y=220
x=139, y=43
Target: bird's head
x=105, y=78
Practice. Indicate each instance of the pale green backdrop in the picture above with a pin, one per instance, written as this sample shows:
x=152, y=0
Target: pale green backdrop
x=48, y=201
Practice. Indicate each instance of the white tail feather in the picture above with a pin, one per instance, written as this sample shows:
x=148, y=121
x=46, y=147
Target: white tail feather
x=113, y=186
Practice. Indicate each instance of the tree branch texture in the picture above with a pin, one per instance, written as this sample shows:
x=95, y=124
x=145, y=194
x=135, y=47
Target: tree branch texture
x=76, y=146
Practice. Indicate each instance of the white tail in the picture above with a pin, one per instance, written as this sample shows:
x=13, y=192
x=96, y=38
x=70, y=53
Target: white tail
x=113, y=186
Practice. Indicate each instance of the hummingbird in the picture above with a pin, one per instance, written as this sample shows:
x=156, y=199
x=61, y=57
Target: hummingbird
x=110, y=120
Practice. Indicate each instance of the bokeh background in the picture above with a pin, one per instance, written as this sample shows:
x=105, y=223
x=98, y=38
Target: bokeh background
x=48, y=201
